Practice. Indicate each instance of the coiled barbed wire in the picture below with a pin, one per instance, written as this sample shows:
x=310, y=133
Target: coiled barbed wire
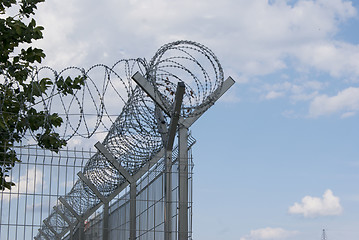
x=193, y=64
x=133, y=136
x=90, y=107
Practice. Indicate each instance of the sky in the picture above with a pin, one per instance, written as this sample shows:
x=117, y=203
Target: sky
x=277, y=157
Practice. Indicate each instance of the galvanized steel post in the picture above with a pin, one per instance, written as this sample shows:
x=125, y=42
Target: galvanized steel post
x=183, y=183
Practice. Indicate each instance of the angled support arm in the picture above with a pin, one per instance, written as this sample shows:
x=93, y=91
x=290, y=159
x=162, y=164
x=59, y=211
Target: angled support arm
x=58, y=211
x=175, y=115
x=114, y=162
x=67, y=205
x=92, y=187
x=51, y=229
x=150, y=90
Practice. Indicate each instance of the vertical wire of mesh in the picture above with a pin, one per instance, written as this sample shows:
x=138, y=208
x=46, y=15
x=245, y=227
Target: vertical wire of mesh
x=190, y=193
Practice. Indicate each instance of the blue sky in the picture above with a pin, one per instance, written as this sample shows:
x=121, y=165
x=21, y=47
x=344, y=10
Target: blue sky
x=277, y=157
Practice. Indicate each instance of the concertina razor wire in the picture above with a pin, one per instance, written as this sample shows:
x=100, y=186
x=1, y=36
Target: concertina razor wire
x=133, y=136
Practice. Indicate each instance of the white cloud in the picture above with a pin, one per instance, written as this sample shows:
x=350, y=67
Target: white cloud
x=254, y=37
x=274, y=95
x=348, y=114
x=328, y=205
x=269, y=233
x=298, y=91
x=336, y=58
x=29, y=182
x=346, y=101
x=251, y=38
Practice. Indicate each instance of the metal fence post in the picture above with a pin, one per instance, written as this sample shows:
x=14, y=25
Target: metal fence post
x=183, y=183
x=133, y=211
x=105, y=235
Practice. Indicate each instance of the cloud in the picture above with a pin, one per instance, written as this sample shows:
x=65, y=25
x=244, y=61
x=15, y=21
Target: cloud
x=274, y=95
x=334, y=57
x=253, y=37
x=29, y=182
x=348, y=114
x=329, y=205
x=346, y=101
x=299, y=91
x=269, y=233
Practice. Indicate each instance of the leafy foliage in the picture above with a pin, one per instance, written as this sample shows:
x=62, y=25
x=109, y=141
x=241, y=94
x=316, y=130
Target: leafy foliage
x=19, y=91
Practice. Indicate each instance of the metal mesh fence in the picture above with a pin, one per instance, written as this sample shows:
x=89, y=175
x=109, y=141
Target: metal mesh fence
x=41, y=178
x=30, y=208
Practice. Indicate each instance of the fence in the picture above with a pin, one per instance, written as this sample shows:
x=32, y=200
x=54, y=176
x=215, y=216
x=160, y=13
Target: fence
x=43, y=177
x=40, y=179
x=138, y=184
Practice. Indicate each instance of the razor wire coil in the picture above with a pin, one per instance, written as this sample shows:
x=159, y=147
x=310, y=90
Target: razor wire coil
x=133, y=137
